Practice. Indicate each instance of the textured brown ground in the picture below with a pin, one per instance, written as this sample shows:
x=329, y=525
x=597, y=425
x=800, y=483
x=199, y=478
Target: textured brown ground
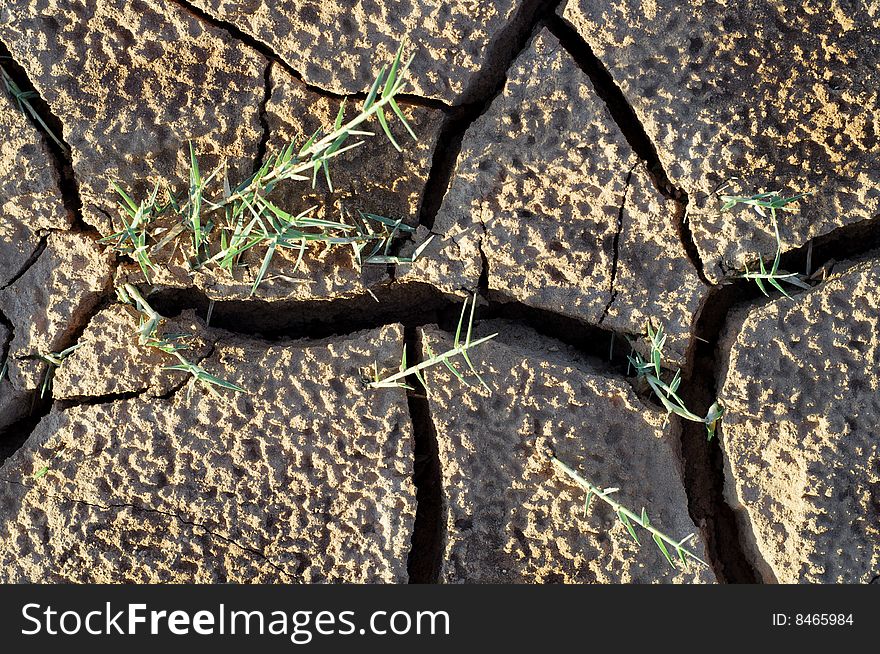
x=569, y=159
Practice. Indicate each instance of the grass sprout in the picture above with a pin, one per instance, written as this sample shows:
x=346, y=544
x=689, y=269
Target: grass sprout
x=459, y=348
x=629, y=518
x=651, y=371
x=380, y=232
x=23, y=99
x=766, y=205
x=148, y=335
x=222, y=224
x=52, y=361
x=44, y=470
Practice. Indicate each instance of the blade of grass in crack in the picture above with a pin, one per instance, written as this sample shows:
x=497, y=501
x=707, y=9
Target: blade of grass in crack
x=628, y=517
x=772, y=200
x=284, y=237
x=651, y=372
x=23, y=98
x=52, y=361
x=445, y=358
x=288, y=164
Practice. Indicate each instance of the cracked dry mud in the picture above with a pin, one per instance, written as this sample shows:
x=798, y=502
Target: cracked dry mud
x=568, y=163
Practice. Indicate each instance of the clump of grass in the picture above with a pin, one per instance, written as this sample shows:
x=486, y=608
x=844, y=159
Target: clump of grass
x=667, y=393
x=764, y=203
x=148, y=335
x=52, y=361
x=23, y=99
x=218, y=227
x=628, y=518
x=459, y=349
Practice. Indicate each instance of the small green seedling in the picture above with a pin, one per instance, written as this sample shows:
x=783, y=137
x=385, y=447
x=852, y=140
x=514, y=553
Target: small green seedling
x=148, y=335
x=23, y=99
x=651, y=371
x=381, y=239
x=42, y=471
x=628, y=518
x=225, y=224
x=459, y=348
x=771, y=201
x=53, y=360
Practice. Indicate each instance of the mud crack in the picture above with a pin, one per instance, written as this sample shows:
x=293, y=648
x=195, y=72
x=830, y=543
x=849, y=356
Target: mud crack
x=702, y=460
x=629, y=124
x=482, y=90
x=612, y=291
x=61, y=156
x=429, y=530
x=273, y=57
x=263, y=145
x=31, y=260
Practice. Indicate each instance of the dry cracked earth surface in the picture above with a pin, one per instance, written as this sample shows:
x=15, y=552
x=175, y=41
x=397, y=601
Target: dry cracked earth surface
x=568, y=162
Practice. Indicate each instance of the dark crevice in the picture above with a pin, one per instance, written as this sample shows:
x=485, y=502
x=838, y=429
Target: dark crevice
x=686, y=236
x=412, y=304
x=13, y=436
x=482, y=91
x=612, y=292
x=425, y=556
x=61, y=157
x=263, y=145
x=31, y=260
x=606, y=350
x=702, y=460
x=630, y=126
x=93, y=400
x=849, y=242
x=483, y=280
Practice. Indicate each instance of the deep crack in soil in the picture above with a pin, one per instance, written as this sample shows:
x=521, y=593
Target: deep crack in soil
x=61, y=157
x=702, y=460
x=14, y=435
x=629, y=124
x=481, y=92
x=429, y=530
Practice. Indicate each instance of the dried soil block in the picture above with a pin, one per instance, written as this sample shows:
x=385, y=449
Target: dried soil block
x=779, y=95
x=509, y=517
x=338, y=46
x=110, y=343
x=802, y=400
x=132, y=82
x=307, y=478
x=549, y=194
x=30, y=198
x=51, y=301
